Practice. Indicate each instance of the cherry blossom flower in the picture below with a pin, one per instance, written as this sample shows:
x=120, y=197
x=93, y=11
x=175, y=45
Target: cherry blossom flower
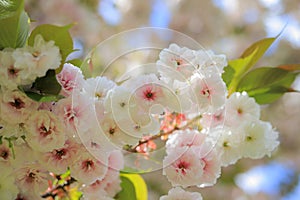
x=70, y=78
x=58, y=160
x=146, y=90
x=210, y=92
x=228, y=143
x=259, y=139
x=90, y=166
x=16, y=106
x=183, y=167
x=176, y=62
x=10, y=75
x=98, y=88
x=239, y=108
x=74, y=111
x=35, y=61
x=178, y=193
x=6, y=157
x=32, y=180
x=115, y=134
x=211, y=165
x=44, y=131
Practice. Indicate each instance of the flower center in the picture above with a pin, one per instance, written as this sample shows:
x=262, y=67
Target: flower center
x=36, y=54
x=44, y=131
x=4, y=154
x=111, y=131
x=12, y=72
x=205, y=92
x=60, y=153
x=88, y=164
x=182, y=167
x=17, y=103
x=249, y=138
x=239, y=111
x=149, y=95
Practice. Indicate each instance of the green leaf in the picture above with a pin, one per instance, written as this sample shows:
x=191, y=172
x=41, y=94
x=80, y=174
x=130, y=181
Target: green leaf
x=269, y=95
x=259, y=47
x=15, y=23
x=43, y=98
x=266, y=84
x=8, y=8
x=47, y=84
x=235, y=70
x=228, y=75
x=59, y=34
x=44, y=89
x=133, y=188
x=75, y=194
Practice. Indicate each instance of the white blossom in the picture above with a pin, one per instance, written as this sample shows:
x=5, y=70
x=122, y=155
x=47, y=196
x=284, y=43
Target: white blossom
x=34, y=61
x=239, y=108
x=16, y=106
x=44, y=131
x=176, y=62
x=259, y=139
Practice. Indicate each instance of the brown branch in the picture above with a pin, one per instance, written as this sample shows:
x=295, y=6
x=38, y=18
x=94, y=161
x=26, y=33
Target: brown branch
x=52, y=193
x=161, y=134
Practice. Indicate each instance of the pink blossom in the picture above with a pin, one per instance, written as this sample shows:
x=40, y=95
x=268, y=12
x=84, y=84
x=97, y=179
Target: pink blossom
x=210, y=160
x=44, y=131
x=74, y=111
x=183, y=167
x=210, y=92
x=70, y=78
x=90, y=166
x=58, y=160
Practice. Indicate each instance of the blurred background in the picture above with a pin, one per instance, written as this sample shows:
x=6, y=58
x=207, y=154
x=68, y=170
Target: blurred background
x=227, y=27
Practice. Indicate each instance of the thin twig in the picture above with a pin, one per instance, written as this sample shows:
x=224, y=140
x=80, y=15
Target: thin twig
x=161, y=134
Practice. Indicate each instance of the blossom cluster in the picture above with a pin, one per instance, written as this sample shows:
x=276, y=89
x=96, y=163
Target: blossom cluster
x=230, y=127
x=87, y=129
x=42, y=137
